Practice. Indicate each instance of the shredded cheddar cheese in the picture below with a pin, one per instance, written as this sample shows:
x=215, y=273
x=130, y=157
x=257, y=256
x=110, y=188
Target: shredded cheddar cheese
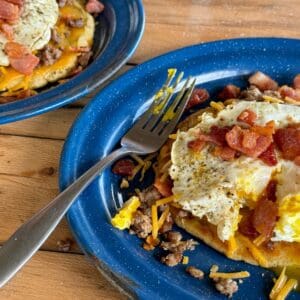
x=164, y=200
x=137, y=159
x=232, y=246
x=185, y=260
x=135, y=171
x=259, y=240
x=288, y=287
x=279, y=284
x=163, y=217
x=257, y=255
x=173, y=136
x=235, y=275
x=217, y=105
x=271, y=99
x=154, y=221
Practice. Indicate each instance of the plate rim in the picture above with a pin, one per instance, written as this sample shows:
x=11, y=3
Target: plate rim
x=131, y=292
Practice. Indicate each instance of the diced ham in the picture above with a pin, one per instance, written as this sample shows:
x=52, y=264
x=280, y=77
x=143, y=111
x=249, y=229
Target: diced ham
x=265, y=216
x=7, y=30
x=230, y=91
x=164, y=187
x=20, y=58
x=269, y=156
x=198, y=96
x=297, y=82
x=9, y=11
x=123, y=167
x=247, y=116
x=263, y=82
x=235, y=139
x=286, y=91
x=94, y=7
x=196, y=145
x=225, y=152
x=288, y=141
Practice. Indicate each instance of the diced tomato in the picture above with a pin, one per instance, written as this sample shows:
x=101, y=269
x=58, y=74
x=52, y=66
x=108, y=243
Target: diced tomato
x=164, y=187
x=94, y=7
x=196, y=145
x=297, y=81
x=198, y=96
x=269, y=156
x=288, y=141
x=123, y=167
x=246, y=226
x=230, y=91
x=20, y=58
x=263, y=82
x=265, y=216
x=247, y=116
x=235, y=139
x=224, y=152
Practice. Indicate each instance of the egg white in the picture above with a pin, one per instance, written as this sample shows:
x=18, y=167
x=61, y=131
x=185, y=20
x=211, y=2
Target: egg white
x=33, y=29
x=209, y=187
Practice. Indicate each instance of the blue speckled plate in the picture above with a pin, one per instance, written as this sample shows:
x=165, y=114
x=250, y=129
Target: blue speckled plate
x=118, y=32
x=98, y=130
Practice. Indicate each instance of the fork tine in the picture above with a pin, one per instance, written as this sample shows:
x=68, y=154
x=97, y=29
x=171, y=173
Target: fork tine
x=146, y=115
x=155, y=118
x=167, y=126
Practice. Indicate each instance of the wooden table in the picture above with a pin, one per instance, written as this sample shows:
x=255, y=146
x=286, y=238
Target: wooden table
x=30, y=149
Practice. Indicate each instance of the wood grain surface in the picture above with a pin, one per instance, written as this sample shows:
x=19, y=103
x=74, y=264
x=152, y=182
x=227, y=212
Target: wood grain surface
x=30, y=149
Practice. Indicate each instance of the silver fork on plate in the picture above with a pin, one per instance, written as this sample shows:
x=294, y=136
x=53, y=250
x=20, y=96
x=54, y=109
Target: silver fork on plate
x=147, y=135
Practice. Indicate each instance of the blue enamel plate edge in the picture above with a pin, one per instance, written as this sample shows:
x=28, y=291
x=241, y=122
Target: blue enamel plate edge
x=124, y=39
x=98, y=129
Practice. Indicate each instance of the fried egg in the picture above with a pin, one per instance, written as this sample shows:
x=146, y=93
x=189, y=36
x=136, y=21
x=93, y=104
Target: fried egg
x=33, y=29
x=214, y=189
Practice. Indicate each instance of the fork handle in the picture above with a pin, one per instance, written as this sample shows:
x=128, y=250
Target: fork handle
x=19, y=248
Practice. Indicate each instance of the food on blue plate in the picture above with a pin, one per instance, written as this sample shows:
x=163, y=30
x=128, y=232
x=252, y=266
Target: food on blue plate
x=42, y=42
x=230, y=176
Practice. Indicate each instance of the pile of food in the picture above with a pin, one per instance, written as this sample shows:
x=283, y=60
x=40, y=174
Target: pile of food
x=229, y=176
x=42, y=42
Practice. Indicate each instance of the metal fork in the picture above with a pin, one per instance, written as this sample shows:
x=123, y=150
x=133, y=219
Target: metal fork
x=147, y=135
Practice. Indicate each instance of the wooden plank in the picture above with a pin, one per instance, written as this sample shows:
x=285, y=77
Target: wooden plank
x=28, y=181
x=58, y=276
x=172, y=24
x=20, y=198
x=30, y=157
x=54, y=124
